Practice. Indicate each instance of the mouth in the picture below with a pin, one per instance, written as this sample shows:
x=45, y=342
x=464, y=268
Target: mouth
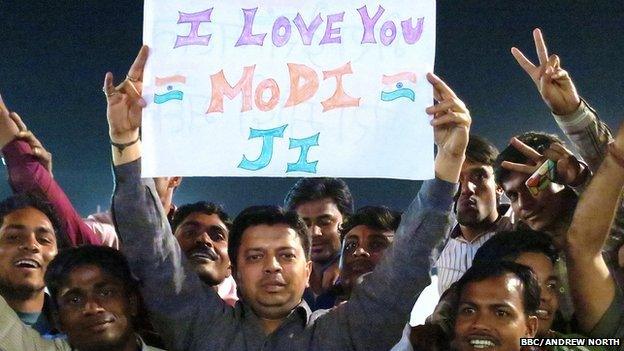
x=361, y=266
x=481, y=342
x=203, y=256
x=100, y=325
x=543, y=314
x=27, y=263
x=274, y=285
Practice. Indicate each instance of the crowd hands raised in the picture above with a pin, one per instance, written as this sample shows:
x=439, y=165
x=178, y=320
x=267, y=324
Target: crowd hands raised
x=315, y=274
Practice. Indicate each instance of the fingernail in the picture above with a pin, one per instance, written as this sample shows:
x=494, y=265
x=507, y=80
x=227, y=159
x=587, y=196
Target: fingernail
x=142, y=102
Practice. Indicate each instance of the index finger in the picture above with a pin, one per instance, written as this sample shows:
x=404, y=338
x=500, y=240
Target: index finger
x=540, y=46
x=136, y=70
x=3, y=108
x=526, y=150
x=18, y=121
x=440, y=86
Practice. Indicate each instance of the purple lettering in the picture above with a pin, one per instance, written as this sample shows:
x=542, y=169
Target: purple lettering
x=247, y=38
x=330, y=32
x=410, y=33
x=387, y=33
x=307, y=33
x=195, y=19
x=281, y=39
x=369, y=24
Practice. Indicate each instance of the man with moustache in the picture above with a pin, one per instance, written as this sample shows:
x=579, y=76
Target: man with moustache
x=479, y=212
x=324, y=204
x=366, y=236
x=29, y=240
x=202, y=230
x=96, y=300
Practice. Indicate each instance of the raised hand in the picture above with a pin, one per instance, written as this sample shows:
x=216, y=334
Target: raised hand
x=451, y=125
x=569, y=170
x=124, y=102
x=553, y=83
x=40, y=152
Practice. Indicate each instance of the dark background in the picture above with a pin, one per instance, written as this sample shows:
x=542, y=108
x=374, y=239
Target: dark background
x=55, y=53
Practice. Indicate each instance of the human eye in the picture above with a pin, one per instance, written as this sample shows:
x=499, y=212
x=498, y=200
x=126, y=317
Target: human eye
x=467, y=310
x=502, y=313
x=350, y=246
x=323, y=221
x=253, y=257
x=377, y=245
x=288, y=256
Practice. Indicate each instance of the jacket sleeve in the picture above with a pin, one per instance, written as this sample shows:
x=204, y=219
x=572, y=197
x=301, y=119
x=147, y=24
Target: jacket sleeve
x=378, y=309
x=26, y=174
x=181, y=307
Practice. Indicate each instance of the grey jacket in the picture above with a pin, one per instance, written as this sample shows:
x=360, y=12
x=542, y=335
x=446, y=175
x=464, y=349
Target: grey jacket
x=191, y=316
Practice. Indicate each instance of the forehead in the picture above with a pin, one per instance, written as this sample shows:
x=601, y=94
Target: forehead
x=317, y=208
x=539, y=263
x=469, y=166
x=87, y=276
x=362, y=232
x=506, y=289
x=515, y=181
x=27, y=216
x=269, y=237
x=204, y=219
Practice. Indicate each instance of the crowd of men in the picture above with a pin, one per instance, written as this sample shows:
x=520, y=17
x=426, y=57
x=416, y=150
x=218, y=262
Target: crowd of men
x=316, y=274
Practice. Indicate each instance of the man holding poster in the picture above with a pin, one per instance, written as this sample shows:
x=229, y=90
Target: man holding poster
x=271, y=256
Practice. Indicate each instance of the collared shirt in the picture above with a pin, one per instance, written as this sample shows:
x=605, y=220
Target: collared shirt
x=16, y=336
x=190, y=316
x=458, y=253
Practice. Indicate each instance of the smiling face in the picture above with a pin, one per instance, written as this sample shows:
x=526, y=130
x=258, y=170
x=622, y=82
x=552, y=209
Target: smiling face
x=271, y=270
x=323, y=220
x=491, y=315
x=363, y=249
x=95, y=310
x=549, y=288
x=541, y=212
x=204, y=240
x=478, y=196
x=27, y=245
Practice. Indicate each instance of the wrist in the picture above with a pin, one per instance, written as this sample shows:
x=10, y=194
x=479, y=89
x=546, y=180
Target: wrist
x=568, y=109
x=123, y=138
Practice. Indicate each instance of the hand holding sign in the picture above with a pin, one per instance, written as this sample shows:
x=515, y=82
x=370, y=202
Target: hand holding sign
x=553, y=82
x=124, y=102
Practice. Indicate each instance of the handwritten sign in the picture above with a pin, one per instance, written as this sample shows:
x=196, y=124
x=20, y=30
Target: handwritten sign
x=288, y=88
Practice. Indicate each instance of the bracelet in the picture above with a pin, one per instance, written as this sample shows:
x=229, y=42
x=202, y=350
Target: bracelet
x=617, y=155
x=122, y=146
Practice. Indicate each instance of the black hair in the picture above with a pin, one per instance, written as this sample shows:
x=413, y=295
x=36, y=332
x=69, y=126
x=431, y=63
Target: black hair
x=537, y=140
x=310, y=189
x=202, y=207
x=37, y=201
x=375, y=217
x=109, y=260
x=481, y=272
x=509, y=245
x=269, y=215
x=481, y=150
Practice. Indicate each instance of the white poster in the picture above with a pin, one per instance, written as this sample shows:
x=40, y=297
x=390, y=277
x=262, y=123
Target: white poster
x=288, y=88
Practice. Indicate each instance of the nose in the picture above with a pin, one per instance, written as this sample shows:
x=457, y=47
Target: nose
x=467, y=188
x=480, y=322
x=525, y=202
x=360, y=251
x=204, y=238
x=315, y=230
x=30, y=243
x=272, y=265
x=92, y=306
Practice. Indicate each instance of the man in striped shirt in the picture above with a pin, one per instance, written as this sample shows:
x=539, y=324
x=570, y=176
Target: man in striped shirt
x=478, y=209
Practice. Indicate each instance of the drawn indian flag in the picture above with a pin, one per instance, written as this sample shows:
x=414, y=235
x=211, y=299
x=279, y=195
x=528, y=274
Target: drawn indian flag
x=169, y=84
x=398, y=86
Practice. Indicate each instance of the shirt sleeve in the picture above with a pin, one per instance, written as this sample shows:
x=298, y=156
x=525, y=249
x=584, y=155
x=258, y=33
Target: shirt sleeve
x=26, y=174
x=380, y=306
x=15, y=335
x=611, y=325
x=181, y=307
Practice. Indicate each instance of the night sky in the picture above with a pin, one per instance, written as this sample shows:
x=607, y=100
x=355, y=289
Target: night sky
x=55, y=54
